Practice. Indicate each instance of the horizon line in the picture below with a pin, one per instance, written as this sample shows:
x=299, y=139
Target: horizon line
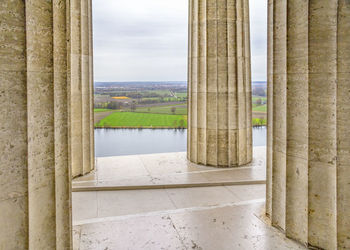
x=159, y=81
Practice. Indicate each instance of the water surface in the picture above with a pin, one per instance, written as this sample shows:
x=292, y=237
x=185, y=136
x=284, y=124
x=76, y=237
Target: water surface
x=115, y=142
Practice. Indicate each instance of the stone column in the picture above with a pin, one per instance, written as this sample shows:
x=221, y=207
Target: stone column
x=13, y=128
x=220, y=121
x=309, y=173
x=76, y=90
x=91, y=86
x=34, y=165
x=269, y=108
x=36, y=135
x=81, y=97
x=85, y=80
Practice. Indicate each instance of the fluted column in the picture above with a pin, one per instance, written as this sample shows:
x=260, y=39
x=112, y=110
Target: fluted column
x=220, y=124
x=38, y=141
x=34, y=165
x=86, y=96
x=269, y=137
x=309, y=171
x=81, y=97
x=13, y=128
x=91, y=88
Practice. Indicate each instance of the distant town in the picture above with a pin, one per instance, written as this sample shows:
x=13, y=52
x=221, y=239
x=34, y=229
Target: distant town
x=155, y=104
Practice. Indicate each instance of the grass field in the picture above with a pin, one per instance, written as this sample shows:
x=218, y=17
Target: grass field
x=259, y=122
x=261, y=108
x=254, y=98
x=181, y=94
x=162, y=116
x=180, y=109
x=144, y=120
x=160, y=92
x=151, y=98
x=170, y=99
x=102, y=110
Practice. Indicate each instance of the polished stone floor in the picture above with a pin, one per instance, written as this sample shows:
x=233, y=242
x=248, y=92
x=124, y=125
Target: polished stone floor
x=224, y=217
x=89, y=206
x=226, y=226
x=166, y=169
x=228, y=216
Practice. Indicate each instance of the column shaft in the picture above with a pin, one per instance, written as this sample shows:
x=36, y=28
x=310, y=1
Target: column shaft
x=322, y=123
x=279, y=113
x=81, y=97
x=91, y=88
x=309, y=173
x=343, y=117
x=13, y=128
x=36, y=135
x=219, y=106
x=76, y=90
x=85, y=82
x=269, y=140
x=40, y=106
x=297, y=120
x=61, y=106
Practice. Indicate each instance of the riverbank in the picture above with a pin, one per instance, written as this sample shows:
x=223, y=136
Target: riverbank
x=121, y=127
x=142, y=120
x=153, y=118
x=176, y=128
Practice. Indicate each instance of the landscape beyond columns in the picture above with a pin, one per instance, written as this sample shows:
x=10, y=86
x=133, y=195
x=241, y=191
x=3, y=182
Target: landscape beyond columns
x=46, y=130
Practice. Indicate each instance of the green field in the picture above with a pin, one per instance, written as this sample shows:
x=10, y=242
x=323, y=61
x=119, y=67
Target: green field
x=181, y=94
x=254, y=98
x=170, y=99
x=102, y=110
x=144, y=120
x=259, y=122
x=160, y=92
x=261, y=108
x=151, y=98
x=179, y=110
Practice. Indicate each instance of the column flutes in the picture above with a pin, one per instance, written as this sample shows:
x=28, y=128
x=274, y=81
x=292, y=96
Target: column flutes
x=38, y=141
x=308, y=175
x=220, y=124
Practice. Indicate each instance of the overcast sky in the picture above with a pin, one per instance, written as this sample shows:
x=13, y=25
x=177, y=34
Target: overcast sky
x=146, y=40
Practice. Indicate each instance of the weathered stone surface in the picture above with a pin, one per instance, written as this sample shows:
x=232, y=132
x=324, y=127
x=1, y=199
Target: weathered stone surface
x=81, y=98
x=308, y=140
x=269, y=138
x=13, y=127
x=220, y=131
x=36, y=138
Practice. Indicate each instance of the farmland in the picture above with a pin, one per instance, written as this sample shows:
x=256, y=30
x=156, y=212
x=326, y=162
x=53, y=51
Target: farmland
x=143, y=120
x=155, y=105
x=101, y=110
x=178, y=109
x=259, y=104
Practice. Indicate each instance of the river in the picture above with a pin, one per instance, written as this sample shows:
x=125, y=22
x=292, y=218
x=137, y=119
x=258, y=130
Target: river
x=115, y=142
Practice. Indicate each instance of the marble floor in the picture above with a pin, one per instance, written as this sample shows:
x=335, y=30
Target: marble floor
x=94, y=205
x=166, y=170
x=229, y=214
x=224, y=217
x=192, y=221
